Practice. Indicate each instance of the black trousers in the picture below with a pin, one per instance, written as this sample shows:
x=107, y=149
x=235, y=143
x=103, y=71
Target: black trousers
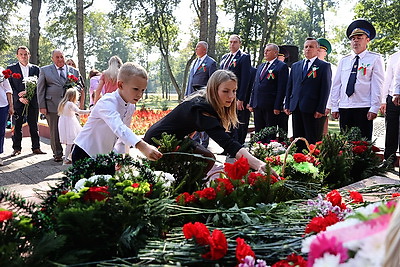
x=32, y=120
x=78, y=153
x=265, y=117
x=305, y=125
x=392, y=117
x=356, y=117
x=241, y=131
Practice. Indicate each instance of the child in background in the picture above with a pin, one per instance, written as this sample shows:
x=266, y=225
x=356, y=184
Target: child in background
x=107, y=128
x=68, y=124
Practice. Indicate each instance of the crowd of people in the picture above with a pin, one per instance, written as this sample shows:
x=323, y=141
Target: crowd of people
x=219, y=99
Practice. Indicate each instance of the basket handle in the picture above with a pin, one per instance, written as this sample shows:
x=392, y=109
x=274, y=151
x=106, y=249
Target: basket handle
x=288, y=149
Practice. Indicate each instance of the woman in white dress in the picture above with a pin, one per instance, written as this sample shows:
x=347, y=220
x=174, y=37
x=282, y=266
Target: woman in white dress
x=68, y=123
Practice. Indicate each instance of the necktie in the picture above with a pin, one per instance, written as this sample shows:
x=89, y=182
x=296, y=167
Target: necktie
x=305, y=69
x=352, y=78
x=196, y=66
x=264, y=71
x=62, y=75
x=226, y=64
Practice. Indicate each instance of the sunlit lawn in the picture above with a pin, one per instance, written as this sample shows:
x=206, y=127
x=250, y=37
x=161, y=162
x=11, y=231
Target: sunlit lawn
x=156, y=101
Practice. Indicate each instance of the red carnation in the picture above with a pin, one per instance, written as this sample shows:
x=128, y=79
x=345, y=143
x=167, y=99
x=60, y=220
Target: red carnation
x=224, y=185
x=334, y=197
x=254, y=177
x=135, y=185
x=314, y=150
x=198, y=231
x=360, y=149
x=96, y=193
x=218, y=246
x=292, y=260
x=243, y=250
x=238, y=169
x=356, y=197
x=16, y=76
x=318, y=224
x=375, y=149
x=208, y=193
x=299, y=157
x=395, y=195
x=5, y=215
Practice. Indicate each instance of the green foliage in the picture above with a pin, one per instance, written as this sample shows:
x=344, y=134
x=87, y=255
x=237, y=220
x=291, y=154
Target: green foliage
x=385, y=16
x=335, y=159
x=179, y=160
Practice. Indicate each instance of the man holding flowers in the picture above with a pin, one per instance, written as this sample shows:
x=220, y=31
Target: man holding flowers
x=54, y=80
x=25, y=100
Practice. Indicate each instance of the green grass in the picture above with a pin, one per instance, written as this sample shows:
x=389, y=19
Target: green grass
x=155, y=101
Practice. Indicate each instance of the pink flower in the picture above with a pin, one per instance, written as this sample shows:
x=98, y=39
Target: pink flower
x=322, y=245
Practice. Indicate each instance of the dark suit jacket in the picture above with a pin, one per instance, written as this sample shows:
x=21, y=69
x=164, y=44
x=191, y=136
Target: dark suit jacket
x=269, y=91
x=18, y=86
x=310, y=94
x=51, y=87
x=199, y=77
x=241, y=67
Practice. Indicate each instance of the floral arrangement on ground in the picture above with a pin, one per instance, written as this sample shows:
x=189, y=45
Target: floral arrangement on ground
x=117, y=210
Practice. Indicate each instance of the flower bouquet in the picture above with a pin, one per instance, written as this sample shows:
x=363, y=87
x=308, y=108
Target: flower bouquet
x=350, y=242
x=5, y=74
x=241, y=187
x=30, y=89
x=71, y=81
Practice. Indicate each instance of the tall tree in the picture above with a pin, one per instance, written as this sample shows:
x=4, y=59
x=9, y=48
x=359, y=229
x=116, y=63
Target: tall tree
x=34, y=33
x=212, y=29
x=7, y=9
x=157, y=27
x=255, y=21
x=385, y=16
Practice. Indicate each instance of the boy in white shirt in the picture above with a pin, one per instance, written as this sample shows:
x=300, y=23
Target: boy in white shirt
x=107, y=127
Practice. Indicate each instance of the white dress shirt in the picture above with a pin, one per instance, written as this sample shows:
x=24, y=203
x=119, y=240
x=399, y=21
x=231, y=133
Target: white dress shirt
x=108, y=123
x=4, y=89
x=367, y=90
x=24, y=70
x=388, y=85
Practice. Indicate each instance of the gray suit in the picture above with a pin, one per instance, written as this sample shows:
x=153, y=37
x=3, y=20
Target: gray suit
x=198, y=78
x=50, y=92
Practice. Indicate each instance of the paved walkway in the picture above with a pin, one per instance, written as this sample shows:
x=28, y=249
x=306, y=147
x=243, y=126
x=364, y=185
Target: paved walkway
x=28, y=172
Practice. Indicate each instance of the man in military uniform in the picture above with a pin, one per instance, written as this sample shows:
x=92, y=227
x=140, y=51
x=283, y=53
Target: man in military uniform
x=356, y=89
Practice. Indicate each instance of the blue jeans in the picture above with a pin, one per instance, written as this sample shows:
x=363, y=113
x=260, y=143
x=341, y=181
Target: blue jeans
x=3, y=124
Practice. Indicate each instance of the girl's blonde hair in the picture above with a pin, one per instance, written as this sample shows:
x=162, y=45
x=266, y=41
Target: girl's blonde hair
x=114, y=63
x=71, y=95
x=227, y=115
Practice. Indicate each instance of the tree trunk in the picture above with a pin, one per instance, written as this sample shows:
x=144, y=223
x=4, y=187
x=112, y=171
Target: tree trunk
x=203, y=20
x=212, y=29
x=81, y=49
x=34, y=33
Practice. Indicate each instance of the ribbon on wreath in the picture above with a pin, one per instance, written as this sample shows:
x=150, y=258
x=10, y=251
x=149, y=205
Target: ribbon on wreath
x=313, y=72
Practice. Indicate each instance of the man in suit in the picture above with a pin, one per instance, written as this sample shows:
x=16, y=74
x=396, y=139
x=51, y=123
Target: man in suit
x=26, y=69
x=269, y=91
x=202, y=69
x=239, y=63
x=307, y=94
x=356, y=89
x=51, y=89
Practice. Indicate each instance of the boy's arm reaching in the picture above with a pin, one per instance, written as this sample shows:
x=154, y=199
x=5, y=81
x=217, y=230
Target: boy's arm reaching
x=149, y=151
